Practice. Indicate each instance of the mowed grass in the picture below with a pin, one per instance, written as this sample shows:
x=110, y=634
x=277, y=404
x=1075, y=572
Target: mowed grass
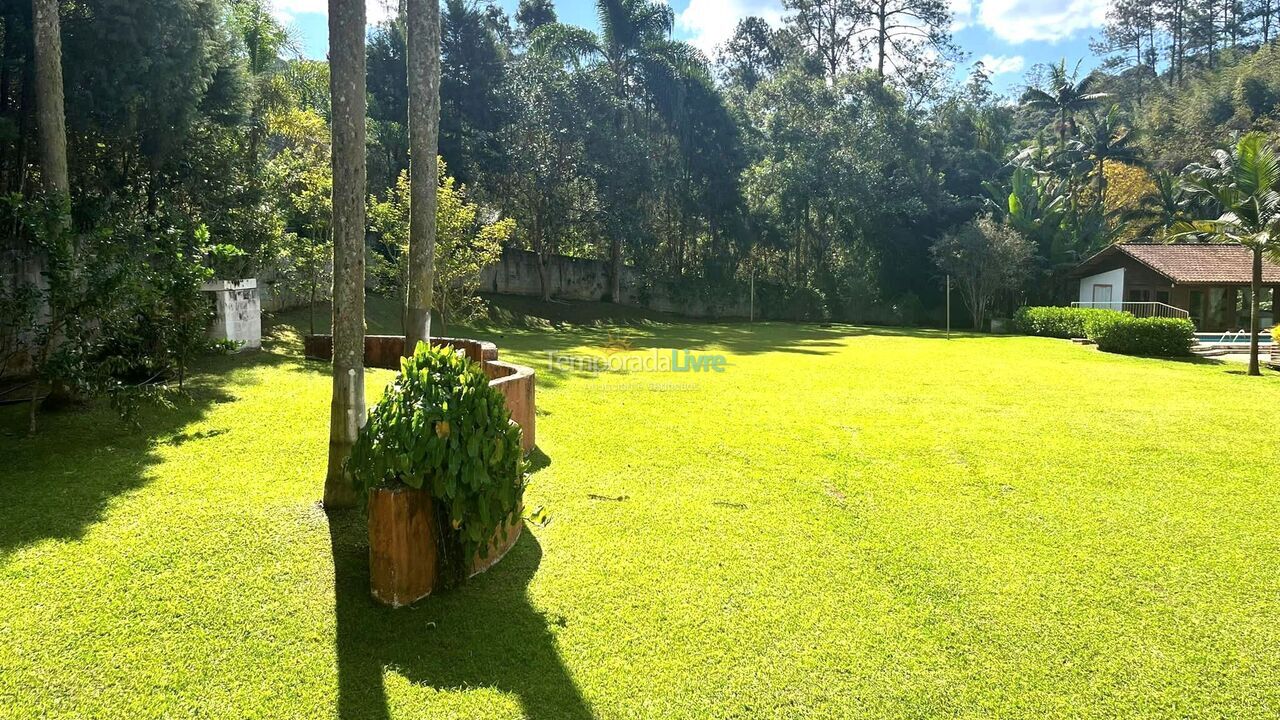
x=848, y=522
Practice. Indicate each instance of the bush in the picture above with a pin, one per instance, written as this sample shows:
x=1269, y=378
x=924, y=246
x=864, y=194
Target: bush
x=1059, y=322
x=1153, y=337
x=440, y=426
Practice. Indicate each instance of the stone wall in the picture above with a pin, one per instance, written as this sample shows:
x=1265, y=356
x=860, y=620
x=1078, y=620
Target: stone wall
x=516, y=273
x=584, y=279
x=569, y=278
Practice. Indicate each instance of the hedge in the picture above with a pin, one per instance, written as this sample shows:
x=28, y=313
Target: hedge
x=1153, y=337
x=1059, y=322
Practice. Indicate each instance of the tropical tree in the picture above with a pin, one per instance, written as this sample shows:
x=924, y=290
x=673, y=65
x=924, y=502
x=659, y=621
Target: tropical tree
x=546, y=187
x=300, y=175
x=1166, y=204
x=423, y=20
x=1107, y=140
x=347, y=87
x=1065, y=97
x=50, y=115
x=51, y=121
x=1244, y=183
x=466, y=244
x=643, y=70
x=264, y=38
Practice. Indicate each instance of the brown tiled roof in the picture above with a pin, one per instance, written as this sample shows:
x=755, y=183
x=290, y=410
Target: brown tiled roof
x=1201, y=262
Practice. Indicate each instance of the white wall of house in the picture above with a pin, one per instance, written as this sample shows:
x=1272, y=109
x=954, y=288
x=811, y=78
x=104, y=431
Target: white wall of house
x=1094, y=289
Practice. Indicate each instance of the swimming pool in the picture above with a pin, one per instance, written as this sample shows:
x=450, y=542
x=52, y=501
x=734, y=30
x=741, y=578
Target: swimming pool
x=1230, y=338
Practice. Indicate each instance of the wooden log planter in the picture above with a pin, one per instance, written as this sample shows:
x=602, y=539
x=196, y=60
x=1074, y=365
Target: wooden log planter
x=403, y=556
x=403, y=559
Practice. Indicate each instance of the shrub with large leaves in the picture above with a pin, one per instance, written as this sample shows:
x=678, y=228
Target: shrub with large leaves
x=440, y=426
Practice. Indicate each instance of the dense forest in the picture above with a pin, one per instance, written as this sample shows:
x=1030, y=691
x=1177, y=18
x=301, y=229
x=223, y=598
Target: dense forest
x=837, y=162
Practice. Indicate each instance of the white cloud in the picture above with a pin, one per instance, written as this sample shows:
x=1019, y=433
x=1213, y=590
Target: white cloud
x=999, y=65
x=1017, y=21
x=961, y=14
x=287, y=10
x=711, y=22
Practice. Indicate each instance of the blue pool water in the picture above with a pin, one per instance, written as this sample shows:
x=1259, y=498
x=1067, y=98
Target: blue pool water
x=1217, y=338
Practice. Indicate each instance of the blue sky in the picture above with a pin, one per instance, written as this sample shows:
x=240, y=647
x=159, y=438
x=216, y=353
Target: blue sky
x=1008, y=35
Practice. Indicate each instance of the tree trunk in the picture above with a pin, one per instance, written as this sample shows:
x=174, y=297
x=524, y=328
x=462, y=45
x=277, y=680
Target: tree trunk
x=1255, y=312
x=51, y=119
x=51, y=129
x=540, y=249
x=51, y=124
x=882, y=38
x=311, y=305
x=615, y=279
x=347, y=86
x=423, y=50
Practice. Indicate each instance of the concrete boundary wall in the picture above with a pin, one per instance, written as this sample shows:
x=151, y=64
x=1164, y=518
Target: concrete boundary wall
x=568, y=278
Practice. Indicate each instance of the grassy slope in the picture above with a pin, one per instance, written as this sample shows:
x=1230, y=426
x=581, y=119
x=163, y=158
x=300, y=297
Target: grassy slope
x=847, y=523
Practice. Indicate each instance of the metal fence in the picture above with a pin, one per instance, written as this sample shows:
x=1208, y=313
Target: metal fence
x=1138, y=309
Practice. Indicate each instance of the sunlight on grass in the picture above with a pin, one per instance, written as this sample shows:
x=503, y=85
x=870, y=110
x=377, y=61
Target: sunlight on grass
x=847, y=522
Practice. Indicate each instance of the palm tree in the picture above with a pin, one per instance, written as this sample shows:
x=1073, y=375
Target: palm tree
x=347, y=85
x=644, y=67
x=1160, y=209
x=1065, y=97
x=423, y=68
x=1243, y=182
x=1105, y=140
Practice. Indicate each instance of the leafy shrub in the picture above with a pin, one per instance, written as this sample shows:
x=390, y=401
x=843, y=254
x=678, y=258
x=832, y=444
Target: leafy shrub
x=466, y=243
x=440, y=426
x=119, y=310
x=1059, y=322
x=1152, y=337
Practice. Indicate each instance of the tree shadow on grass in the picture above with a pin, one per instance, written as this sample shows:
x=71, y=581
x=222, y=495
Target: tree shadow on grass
x=60, y=481
x=486, y=634
x=528, y=343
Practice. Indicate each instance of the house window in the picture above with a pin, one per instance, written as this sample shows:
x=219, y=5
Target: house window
x=1101, y=294
x=1139, y=295
x=1162, y=296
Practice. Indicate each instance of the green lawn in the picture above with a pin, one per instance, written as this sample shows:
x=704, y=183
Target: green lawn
x=849, y=522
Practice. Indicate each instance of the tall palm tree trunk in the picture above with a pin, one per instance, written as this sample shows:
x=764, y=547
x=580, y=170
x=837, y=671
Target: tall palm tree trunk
x=347, y=85
x=51, y=128
x=423, y=19
x=51, y=119
x=1255, y=312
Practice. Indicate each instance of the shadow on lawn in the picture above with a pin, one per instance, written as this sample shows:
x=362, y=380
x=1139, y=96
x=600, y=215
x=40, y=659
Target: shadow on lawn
x=60, y=481
x=485, y=634
x=528, y=343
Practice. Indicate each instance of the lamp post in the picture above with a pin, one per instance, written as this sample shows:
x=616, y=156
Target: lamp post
x=948, y=306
